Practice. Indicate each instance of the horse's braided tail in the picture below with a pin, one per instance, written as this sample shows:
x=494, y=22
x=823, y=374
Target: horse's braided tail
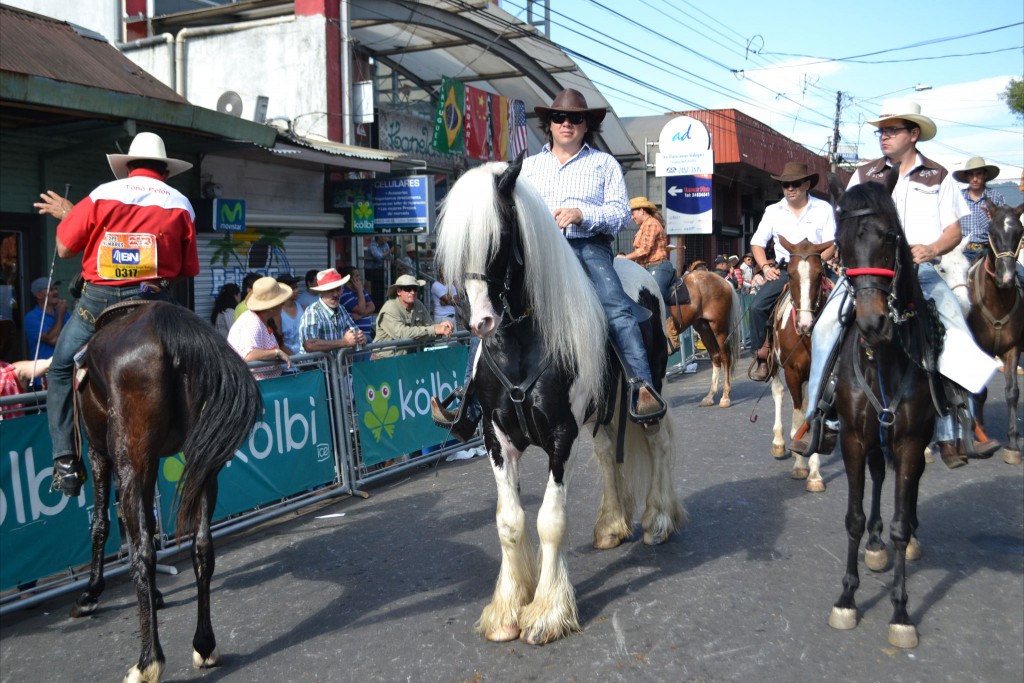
x=222, y=401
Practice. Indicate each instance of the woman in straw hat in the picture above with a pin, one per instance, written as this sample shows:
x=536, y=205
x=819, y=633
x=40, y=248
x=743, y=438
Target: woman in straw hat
x=251, y=335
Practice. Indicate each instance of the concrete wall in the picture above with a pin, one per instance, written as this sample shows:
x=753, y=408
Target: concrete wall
x=267, y=187
x=101, y=16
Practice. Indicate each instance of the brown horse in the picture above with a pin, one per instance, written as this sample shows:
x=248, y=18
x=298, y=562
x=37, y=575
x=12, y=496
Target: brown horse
x=716, y=313
x=996, y=317
x=161, y=380
x=794, y=316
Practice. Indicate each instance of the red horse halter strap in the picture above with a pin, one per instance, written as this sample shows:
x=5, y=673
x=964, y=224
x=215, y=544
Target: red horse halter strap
x=883, y=272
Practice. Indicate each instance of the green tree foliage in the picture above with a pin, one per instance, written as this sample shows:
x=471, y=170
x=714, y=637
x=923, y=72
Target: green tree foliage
x=1014, y=97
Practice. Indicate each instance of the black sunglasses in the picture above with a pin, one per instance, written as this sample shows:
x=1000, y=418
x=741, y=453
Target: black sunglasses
x=408, y=288
x=796, y=183
x=575, y=118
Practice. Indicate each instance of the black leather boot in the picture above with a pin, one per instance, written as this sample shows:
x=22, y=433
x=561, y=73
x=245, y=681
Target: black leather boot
x=68, y=475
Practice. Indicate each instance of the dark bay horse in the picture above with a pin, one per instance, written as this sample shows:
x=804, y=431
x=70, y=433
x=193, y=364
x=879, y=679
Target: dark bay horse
x=996, y=316
x=540, y=372
x=883, y=399
x=716, y=313
x=161, y=380
x=794, y=316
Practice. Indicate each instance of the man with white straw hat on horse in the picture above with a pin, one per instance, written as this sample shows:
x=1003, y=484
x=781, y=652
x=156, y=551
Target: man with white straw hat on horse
x=930, y=209
x=136, y=235
x=976, y=174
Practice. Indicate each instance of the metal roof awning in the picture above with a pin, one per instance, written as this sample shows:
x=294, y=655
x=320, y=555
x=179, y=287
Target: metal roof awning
x=333, y=154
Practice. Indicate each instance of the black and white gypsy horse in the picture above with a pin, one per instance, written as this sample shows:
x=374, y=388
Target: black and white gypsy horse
x=542, y=370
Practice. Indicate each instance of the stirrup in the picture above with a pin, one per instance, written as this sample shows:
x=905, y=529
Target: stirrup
x=636, y=384
x=439, y=412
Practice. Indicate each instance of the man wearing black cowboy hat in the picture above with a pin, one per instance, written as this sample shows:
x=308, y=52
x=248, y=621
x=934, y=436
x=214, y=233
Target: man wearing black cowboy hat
x=136, y=234
x=976, y=174
x=799, y=216
x=586, y=193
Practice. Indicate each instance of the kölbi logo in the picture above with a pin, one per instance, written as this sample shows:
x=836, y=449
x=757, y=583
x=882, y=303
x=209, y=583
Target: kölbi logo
x=413, y=400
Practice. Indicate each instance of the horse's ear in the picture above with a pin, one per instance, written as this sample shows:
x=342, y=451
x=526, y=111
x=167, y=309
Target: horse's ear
x=787, y=244
x=823, y=247
x=507, y=181
x=990, y=207
x=892, y=177
x=1019, y=211
x=835, y=188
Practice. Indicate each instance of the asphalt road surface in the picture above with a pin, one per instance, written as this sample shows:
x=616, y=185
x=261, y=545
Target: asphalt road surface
x=388, y=588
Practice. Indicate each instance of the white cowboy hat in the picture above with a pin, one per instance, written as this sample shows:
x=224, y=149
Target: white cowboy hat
x=267, y=293
x=902, y=108
x=405, y=281
x=146, y=146
x=976, y=164
x=329, y=279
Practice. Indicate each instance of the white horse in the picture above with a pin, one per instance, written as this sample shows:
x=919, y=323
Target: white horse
x=540, y=372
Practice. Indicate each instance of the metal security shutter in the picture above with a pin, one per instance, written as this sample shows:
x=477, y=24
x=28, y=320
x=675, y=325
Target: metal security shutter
x=303, y=251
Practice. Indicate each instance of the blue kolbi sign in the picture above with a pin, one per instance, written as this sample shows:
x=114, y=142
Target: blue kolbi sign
x=404, y=204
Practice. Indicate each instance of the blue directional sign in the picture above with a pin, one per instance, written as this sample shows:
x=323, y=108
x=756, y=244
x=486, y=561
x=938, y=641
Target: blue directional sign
x=688, y=204
x=404, y=204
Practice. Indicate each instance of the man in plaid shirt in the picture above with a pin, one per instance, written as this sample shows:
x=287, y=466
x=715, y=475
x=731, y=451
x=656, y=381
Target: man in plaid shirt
x=326, y=325
x=976, y=174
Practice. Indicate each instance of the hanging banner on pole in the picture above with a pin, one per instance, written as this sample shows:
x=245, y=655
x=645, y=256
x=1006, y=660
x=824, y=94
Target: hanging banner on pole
x=687, y=163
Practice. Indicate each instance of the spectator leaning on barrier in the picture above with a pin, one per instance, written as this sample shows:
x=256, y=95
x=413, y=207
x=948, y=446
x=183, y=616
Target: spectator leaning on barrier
x=326, y=325
x=357, y=302
x=50, y=313
x=403, y=316
x=251, y=335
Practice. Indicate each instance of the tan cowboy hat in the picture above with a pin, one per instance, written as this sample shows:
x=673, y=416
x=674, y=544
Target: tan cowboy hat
x=329, y=279
x=146, y=146
x=405, y=281
x=267, y=293
x=641, y=203
x=572, y=100
x=976, y=164
x=794, y=171
x=909, y=110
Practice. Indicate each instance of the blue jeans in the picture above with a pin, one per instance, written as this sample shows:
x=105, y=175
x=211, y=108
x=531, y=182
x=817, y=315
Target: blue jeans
x=761, y=309
x=76, y=333
x=595, y=253
x=664, y=274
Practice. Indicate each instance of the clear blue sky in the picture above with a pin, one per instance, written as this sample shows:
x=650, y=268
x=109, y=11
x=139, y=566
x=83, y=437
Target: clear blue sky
x=652, y=56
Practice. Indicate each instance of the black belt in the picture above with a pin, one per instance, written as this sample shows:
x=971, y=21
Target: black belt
x=655, y=263
x=153, y=285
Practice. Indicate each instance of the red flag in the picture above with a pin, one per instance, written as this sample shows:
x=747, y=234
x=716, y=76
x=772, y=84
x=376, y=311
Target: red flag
x=499, y=128
x=477, y=129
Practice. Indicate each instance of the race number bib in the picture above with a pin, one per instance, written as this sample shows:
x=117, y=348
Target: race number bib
x=127, y=256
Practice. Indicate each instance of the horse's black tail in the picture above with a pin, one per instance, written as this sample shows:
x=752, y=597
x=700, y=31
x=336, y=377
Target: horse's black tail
x=221, y=399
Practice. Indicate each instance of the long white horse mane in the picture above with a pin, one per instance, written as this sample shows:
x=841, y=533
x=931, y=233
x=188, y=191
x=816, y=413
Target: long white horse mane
x=560, y=293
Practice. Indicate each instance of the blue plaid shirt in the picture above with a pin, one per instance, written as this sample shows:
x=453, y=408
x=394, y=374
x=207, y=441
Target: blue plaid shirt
x=319, y=321
x=975, y=226
x=591, y=181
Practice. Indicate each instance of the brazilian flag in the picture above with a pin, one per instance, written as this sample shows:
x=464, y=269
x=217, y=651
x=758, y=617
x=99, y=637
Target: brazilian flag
x=448, y=124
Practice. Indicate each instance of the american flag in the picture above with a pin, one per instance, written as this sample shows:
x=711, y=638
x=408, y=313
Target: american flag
x=517, y=128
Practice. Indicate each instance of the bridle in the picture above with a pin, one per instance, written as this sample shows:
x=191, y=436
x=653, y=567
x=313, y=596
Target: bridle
x=514, y=262
x=868, y=271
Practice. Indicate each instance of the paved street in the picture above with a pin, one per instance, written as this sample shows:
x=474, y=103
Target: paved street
x=388, y=589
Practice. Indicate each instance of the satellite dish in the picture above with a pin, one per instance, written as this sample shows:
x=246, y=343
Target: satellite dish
x=230, y=103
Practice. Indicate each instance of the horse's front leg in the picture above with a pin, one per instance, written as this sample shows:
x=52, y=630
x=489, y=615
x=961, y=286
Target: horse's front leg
x=664, y=513
x=500, y=619
x=137, y=514
x=778, y=442
x=614, y=523
x=204, y=643
x=1012, y=450
x=89, y=600
x=876, y=555
x=844, y=611
x=909, y=467
x=552, y=613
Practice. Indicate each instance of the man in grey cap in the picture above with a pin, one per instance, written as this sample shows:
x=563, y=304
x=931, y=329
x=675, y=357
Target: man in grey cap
x=44, y=323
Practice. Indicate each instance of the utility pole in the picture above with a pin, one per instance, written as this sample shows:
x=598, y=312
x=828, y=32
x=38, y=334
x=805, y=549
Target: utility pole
x=835, y=132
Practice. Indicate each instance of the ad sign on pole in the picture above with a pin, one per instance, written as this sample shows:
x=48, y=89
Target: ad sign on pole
x=687, y=163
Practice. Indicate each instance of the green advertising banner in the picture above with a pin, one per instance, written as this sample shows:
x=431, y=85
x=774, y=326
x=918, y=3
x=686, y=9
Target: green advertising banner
x=289, y=451
x=392, y=400
x=41, y=532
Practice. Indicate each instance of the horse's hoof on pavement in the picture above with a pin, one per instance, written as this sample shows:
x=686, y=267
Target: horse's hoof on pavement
x=152, y=674
x=913, y=550
x=78, y=610
x=903, y=635
x=655, y=539
x=607, y=542
x=724, y=403
x=799, y=473
x=199, y=662
x=536, y=636
x=842, y=619
x=779, y=452
x=815, y=486
x=502, y=634
x=876, y=560
x=1011, y=457
x=707, y=402
x=929, y=456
